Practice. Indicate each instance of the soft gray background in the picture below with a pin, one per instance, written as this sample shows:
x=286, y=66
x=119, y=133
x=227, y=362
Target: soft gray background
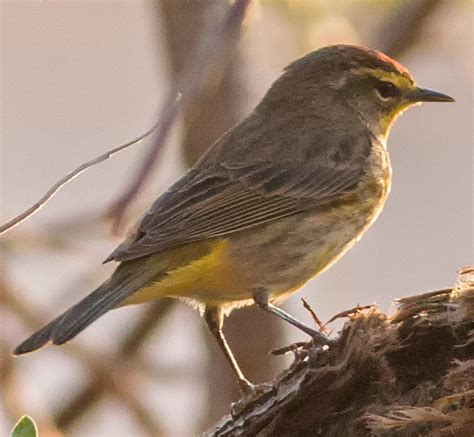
x=81, y=77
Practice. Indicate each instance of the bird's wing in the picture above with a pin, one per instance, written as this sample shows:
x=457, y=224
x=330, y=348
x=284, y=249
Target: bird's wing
x=233, y=197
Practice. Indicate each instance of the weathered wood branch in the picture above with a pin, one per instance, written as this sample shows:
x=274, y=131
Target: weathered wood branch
x=410, y=374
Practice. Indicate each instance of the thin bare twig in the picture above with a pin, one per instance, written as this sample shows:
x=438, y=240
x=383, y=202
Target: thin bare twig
x=118, y=209
x=317, y=320
x=348, y=313
x=211, y=49
x=290, y=348
x=15, y=221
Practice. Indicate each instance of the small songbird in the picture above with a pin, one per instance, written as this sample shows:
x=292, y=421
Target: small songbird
x=274, y=202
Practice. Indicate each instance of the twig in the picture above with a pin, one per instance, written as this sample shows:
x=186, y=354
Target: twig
x=350, y=312
x=317, y=320
x=211, y=49
x=290, y=348
x=118, y=209
x=15, y=221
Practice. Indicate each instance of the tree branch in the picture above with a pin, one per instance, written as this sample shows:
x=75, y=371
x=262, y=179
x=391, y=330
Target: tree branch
x=409, y=374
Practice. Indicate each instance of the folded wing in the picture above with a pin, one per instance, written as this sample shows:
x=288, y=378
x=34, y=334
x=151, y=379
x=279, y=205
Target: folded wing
x=232, y=197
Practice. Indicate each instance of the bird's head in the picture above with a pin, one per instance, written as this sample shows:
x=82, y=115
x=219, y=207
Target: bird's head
x=336, y=80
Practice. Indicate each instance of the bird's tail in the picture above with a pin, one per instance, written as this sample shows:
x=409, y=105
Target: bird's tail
x=127, y=278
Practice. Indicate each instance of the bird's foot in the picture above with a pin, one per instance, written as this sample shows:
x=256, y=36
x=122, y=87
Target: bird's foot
x=249, y=393
x=319, y=338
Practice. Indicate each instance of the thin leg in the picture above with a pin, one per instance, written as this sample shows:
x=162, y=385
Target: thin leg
x=261, y=298
x=214, y=320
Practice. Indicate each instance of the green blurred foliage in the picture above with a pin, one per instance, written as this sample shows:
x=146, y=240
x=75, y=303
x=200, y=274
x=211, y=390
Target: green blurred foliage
x=25, y=427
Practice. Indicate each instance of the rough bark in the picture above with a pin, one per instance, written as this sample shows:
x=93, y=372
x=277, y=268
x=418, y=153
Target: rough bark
x=411, y=374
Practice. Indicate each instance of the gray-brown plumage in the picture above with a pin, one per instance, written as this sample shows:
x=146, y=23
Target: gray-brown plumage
x=275, y=201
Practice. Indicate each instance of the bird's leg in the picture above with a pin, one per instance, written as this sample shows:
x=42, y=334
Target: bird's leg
x=261, y=298
x=214, y=319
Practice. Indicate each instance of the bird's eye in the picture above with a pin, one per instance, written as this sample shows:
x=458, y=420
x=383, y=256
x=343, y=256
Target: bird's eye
x=387, y=90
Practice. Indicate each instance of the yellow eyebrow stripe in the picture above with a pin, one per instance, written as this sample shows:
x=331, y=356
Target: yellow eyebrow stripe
x=398, y=80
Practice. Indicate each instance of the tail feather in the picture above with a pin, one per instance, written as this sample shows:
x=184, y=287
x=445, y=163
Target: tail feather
x=125, y=281
x=81, y=315
x=38, y=339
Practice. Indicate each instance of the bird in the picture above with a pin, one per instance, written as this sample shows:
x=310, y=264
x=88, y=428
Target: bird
x=274, y=202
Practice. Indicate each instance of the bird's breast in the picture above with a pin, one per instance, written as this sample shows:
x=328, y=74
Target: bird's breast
x=285, y=254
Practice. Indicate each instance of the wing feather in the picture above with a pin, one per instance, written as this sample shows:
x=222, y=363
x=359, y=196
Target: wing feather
x=231, y=198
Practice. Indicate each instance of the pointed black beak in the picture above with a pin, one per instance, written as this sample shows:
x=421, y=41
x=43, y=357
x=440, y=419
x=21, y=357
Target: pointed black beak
x=425, y=95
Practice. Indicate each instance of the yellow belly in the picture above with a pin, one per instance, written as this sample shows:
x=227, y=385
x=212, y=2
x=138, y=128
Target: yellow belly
x=208, y=279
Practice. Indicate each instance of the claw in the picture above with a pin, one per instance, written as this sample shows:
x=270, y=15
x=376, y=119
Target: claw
x=247, y=388
x=250, y=392
x=319, y=338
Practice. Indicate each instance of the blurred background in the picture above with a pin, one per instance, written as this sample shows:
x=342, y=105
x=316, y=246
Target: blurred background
x=78, y=78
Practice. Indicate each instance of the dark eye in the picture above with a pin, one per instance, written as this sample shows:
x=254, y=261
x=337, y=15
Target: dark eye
x=387, y=90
